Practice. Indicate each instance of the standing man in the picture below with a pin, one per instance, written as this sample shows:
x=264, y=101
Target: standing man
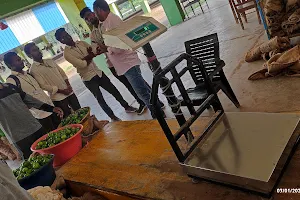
x=18, y=124
x=29, y=85
x=80, y=55
x=96, y=38
x=52, y=79
x=126, y=62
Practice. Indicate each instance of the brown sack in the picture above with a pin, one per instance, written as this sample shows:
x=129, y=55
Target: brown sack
x=276, y=43
x=293, y=70
x=273, y=7
x=253, y=54
x=292, y=5
x=261, y=74
x=282, y=61
x=292, y=23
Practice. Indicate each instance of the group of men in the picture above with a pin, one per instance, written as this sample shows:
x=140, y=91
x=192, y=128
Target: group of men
x=22, y=126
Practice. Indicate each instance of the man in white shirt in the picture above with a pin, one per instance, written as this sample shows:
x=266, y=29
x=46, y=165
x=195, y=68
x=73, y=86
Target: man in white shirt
x=126, y=62
x=80, y=55
x=96, y=38
x=29, y=85
x=52, y=79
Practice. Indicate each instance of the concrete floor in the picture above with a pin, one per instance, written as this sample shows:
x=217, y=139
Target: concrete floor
x=272, y=95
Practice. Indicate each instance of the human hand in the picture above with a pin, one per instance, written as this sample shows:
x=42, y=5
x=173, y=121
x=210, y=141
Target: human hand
x=70, y=88
x=66, y=91
x=90, y=51
x=59, y=112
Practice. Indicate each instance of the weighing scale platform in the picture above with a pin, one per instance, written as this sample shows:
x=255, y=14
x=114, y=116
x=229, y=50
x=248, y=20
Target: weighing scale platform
x=133, y=160
x=246, y=150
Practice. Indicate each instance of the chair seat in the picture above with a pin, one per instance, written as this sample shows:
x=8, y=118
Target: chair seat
x=199, y=93
x=246, y=6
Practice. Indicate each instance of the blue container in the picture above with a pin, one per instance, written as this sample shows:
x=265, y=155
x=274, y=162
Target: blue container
x=44, y=176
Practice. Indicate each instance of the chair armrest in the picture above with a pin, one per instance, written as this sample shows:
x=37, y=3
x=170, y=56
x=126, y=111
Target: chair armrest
x=219, y=67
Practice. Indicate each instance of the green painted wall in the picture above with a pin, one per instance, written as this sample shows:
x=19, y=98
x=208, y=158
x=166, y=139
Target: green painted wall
x=8, y=6
x=70, y=9
x=173, y=11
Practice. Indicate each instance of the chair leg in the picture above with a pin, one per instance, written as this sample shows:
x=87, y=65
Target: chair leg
x=201, y=7
x=206, y=4
x=193, y=9
x=226, y=88
x=258, y=15
x=186, y=13
x=245, y=17
x=240, y=19
x=233, y=11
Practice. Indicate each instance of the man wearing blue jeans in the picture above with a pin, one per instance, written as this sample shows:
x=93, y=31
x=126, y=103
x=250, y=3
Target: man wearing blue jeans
x=125, y=62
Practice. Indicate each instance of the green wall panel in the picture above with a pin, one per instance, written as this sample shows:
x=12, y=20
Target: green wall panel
x=8, y=6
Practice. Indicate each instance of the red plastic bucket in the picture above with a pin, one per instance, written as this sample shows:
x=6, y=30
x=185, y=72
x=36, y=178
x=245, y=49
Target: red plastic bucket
x=63, y=151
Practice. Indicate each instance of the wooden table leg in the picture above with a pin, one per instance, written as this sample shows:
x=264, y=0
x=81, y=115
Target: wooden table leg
x=233, y=11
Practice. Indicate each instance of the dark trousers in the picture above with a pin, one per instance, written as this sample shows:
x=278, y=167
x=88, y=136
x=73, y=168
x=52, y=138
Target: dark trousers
x=68, y=103
x=25, y=144
x=125, y=81
x=104, y=82
x=50, y=123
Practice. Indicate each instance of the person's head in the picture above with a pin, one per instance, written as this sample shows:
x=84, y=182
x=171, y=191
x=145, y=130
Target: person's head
x=101, y=9
x=64, y=37
x=89, y=16
x=32, y=51
x=13, y=61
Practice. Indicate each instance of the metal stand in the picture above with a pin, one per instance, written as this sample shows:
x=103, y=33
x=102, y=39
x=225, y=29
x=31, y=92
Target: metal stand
x=165, y=85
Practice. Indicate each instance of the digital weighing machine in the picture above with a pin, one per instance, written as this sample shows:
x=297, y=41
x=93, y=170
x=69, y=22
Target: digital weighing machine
x=248, y=151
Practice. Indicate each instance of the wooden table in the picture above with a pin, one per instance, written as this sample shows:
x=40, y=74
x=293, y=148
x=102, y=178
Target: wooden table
x=133, y=160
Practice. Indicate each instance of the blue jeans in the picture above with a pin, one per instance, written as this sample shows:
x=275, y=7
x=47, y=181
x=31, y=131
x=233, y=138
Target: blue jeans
x=139, y=85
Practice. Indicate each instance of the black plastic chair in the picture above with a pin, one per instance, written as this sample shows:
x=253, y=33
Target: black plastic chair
x=207, y=50
x=185, y=124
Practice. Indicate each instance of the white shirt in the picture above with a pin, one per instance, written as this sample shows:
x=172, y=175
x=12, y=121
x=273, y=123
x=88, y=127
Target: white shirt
x=51, y=78
x=30, y=86
x=75, y=55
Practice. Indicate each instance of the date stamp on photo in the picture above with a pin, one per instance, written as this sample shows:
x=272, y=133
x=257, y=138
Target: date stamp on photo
x=288, y=190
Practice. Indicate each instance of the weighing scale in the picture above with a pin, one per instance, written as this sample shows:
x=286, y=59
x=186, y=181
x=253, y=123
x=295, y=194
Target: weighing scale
x=248, y=151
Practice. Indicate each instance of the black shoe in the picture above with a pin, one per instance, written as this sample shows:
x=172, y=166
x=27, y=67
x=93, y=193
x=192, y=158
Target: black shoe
x=130, y=109
x=115, y=119
x=141, y=109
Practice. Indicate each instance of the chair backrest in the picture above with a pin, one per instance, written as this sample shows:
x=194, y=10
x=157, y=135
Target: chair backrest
x=207, y=50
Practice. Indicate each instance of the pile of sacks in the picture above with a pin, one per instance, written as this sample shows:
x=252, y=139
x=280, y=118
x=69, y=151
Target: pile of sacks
x=280, y=57
x=282, y=16
x=273, y=13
